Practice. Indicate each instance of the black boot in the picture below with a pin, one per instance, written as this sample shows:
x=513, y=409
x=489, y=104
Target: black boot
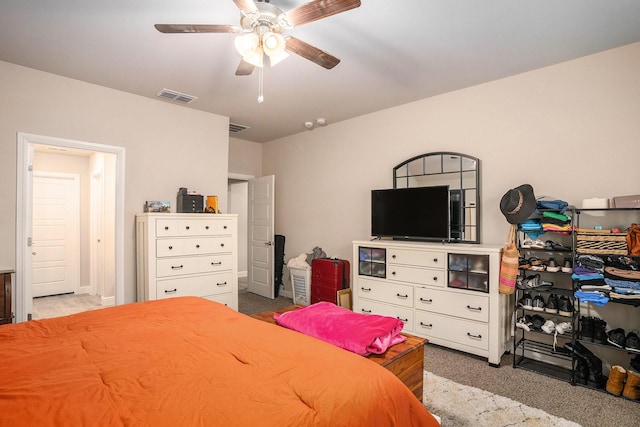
x=581, y=371
x=586, y=328
x=599, y=331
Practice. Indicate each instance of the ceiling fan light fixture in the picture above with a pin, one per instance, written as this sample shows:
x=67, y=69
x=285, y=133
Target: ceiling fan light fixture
x=247, y=44
x=254, y=58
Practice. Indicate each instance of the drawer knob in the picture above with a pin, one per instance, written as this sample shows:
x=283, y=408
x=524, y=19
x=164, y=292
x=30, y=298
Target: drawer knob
x=365, y=289
x=222, y=284
x=435, y=260
x=206, y=227
x=428, y=301
x=225, y=227
x=393, y=273
x=170, y=291
x=217, y=263
x=176, y=267
x=170, y=247
x=197, y=246
x=187, y=227
x=470, y=335
x=166, y=227
x=393, y=256
x=402, y=296
x=404, y=320
x=426, y=325
x=474, y=308
x=435, y=278
x=222, y=245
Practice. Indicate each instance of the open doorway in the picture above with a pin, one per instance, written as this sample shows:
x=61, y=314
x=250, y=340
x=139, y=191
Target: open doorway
x=69, y=246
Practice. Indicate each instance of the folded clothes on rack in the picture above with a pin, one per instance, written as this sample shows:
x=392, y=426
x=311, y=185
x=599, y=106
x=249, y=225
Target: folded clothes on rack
x=594, y=297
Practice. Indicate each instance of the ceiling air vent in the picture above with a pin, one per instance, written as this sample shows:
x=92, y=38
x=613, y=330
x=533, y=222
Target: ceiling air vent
x=176, y=96
x=234, y=128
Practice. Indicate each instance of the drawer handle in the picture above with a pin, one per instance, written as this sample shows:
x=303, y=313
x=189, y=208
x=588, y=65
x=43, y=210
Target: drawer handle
x=365, y=311
x=170, y=291
x=435, y=260
x=426, y=325
x=474, y=308
x=428, y=301
x=187, y=227
x=365, y=289
x=470, y=335
x=393, y=273
x=166, y=227
x=404, y=320
x=225, y=227
x=170, y=247
x=206, y=227
x=435, y=278
x=197, y=246
x=402, y=296
x=176, y=267
x=222, y=284
x=217, y=263
x=222, y=245
x=393, y=256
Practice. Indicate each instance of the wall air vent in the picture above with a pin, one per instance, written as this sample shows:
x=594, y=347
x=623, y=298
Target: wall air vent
x=176, y=96
x=235, y=128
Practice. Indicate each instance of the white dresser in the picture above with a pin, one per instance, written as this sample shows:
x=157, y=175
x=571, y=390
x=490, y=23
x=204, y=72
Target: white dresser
x=445, y=293
x=187, y=255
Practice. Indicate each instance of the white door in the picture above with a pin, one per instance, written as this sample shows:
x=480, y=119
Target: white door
x=260, y=274
x=55, y=246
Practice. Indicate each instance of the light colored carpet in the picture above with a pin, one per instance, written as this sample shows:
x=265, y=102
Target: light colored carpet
x=461, y=405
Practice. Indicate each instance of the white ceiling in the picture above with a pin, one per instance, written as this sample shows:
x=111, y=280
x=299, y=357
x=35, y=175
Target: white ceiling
x=392, y=51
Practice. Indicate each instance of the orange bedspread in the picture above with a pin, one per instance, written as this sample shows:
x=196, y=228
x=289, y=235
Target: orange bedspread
x=189, y=362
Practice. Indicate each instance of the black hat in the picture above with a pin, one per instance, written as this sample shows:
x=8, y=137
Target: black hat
x=518, y=204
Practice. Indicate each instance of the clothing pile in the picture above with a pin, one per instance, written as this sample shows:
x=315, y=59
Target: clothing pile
x=551, y=217
x=603, y=279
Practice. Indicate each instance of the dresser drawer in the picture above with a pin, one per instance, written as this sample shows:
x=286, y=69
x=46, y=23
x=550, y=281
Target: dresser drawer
x=422, y=276
x=459, y=331
x=176, y=267
x=392, y=293
x=210, y=284
x=210, y=263
x=170, y=247
x=226, y=299
x=176, y=227
x=472, y=307
x=372, y=307
x=417, y=258
x=214, y=226
x=208, y=245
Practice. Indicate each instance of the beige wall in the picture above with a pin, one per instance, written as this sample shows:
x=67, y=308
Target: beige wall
x=571, y=130
x=245, y=157
x=167, y=146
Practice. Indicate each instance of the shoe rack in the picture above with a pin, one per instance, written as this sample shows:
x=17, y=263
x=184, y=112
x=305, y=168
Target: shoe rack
x=599, y=326
x=545, y=279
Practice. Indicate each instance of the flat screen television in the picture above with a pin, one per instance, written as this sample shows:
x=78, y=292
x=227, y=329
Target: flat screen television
x=420, y=213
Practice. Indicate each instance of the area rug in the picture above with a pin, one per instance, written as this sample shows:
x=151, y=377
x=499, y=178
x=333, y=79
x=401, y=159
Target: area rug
x=461, y=405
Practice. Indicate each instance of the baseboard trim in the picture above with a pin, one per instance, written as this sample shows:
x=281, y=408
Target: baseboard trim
x=107, y=301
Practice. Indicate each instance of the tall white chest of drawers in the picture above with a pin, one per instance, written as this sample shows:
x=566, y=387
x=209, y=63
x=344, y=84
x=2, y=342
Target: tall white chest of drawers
x=445, y=293
x=187, y=255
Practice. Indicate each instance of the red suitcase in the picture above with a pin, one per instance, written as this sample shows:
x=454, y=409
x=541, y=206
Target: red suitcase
x=328, y=276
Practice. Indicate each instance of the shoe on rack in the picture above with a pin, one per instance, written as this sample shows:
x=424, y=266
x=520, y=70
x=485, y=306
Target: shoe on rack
x=565, y=308
x=552, y=266
x=552, y=304
x=531, y=282
x=632, y=342
x=616, y=337
x=582, y=371
x=538, y=267
x=538, y=303
x=525, y=323
x=632, y=386
x=526, y=301
x=586, y=328
x=545, y=284
x=563, y=327
x=635, y=363
x=537, y=244
x=537, y=321
x=549, y=327
x=567, y=267
x=599, y=331
x=617, y=377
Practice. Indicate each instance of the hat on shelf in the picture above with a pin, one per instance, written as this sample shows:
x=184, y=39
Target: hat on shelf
x=518, y=204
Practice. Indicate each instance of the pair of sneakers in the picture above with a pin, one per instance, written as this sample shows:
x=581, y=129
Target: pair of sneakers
x=551, y=327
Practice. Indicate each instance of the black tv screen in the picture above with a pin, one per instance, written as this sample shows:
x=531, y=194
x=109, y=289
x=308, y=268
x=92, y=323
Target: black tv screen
x=420, y=213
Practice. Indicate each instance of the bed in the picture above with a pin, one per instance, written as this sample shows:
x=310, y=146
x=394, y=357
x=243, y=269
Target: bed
x=189, y=362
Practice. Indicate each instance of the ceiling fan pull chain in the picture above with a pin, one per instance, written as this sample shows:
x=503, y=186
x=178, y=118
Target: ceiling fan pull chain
x=260, y=85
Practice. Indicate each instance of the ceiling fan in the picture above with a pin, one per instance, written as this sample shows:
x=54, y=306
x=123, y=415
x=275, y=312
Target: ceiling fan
x=262, y=26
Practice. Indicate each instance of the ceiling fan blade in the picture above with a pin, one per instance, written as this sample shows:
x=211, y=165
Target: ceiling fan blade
x=311, y=53
x=244, y=68
x=246, y=6
x=317, y=9
x=196, y=28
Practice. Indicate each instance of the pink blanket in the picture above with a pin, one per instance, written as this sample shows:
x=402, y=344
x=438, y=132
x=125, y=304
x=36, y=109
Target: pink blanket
x=360, y=333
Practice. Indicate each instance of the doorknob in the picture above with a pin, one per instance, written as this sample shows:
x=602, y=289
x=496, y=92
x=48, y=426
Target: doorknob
x=268, y=243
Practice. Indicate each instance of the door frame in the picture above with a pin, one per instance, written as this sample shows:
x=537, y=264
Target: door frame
x=24, y=208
